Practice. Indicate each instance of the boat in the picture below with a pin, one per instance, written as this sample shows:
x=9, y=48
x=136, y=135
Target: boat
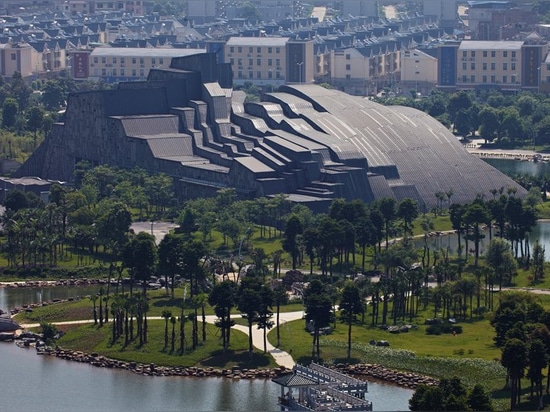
x=7, y=324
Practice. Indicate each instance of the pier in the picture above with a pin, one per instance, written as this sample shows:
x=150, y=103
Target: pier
x=317, y=388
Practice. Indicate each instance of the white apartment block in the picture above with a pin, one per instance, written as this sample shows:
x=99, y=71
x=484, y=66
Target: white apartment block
x=259, y=60
x=125, y=64
x=489, y=63
x=360, y=71
x=418, y=70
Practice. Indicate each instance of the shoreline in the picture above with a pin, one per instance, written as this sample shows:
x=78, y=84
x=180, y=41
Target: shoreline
x=362, y=371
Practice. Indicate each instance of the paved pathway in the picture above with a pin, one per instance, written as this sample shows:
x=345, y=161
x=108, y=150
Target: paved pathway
x=281, y=357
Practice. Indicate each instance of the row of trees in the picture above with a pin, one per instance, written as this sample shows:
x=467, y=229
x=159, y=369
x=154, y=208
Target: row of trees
x=522, y=332
x=521, y=118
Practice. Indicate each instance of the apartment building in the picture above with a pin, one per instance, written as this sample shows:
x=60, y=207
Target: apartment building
x=114, y=64
x=489, y=64
x=365, y=70
x=16, y=57
x=270, y=60
x=418, y=71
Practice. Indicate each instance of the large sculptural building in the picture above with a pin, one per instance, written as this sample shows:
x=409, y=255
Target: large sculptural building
x=309, y=142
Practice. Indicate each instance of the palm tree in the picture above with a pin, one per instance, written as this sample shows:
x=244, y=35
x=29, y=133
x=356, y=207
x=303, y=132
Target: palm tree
x=173, y=320
x=166, y=314
x=351, y=305
x=93, y=298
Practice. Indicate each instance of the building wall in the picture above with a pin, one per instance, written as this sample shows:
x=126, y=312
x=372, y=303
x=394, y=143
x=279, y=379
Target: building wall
x=16, y=57
x=130, y=66
x=418, y=70
x=260, y=63
x=489, y=64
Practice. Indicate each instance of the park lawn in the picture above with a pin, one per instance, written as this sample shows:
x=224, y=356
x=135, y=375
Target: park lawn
x=92, y=338
x=82, y=309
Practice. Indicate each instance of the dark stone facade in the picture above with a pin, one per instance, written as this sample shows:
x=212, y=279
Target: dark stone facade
x=311, y=143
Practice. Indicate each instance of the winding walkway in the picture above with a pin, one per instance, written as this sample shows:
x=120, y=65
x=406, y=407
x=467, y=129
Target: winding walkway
x=281, y=357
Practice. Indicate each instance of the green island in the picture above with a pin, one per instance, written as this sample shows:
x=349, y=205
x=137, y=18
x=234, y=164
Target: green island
x=356, y=276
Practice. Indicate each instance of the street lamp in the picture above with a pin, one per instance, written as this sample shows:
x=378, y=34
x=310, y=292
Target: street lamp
x=300, y=72
x=538, y=79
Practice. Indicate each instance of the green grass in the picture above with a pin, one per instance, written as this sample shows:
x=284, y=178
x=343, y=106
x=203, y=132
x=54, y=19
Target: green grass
x=92, y=338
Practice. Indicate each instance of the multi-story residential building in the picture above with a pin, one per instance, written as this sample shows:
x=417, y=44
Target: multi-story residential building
x=114, y=64
x=418, y=71
x=201, y=11
x=16, y=57
x=489, y=64
x=270, y=60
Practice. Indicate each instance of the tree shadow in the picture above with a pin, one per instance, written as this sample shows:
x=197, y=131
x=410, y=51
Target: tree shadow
x=242, y=359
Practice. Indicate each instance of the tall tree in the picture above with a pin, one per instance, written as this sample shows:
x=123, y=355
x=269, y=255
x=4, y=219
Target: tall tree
x=223, y=297
x=318, y=308
x=351, y=305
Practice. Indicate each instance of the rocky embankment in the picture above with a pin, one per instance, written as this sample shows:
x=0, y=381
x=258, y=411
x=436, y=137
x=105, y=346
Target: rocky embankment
x=404, y=379
x=99, y=361
x=50, y=283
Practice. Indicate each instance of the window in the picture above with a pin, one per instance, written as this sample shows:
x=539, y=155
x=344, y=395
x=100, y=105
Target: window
x=232, y=49
x=134, y=74
x=493, y=66
x=270, y=74
x=473, y=78
x=141, y=60
x=513, y=66
x=472, y=66
x=153, y=61
x=103, y=60
x=504, y=79
x=104, y=72
x=513, y=55
x=259, y=75
x=504, y=54
x=514, y=78
x=348, y=56
x=464, y=78
x=13, y=56
x=240, y=74
x=258, y=49
x=95, y=60
x=493, y=79
x=484, y=53
x=161, y=60
x=348, y=76
x=270, y=62
x=258, y=62
x=484, y=66
x=348, y=66
x=250, y=74
x=134, y=61
x=464, y=54
x=122, y=72
x=114, y=60
x=251, y=49
x=504, y=66
x=493, y=53
x=484, y=79
x=473, y=53
x=278, y=50
x=114, y=72
x=240, y=62
x=239, y=49
x=270, y=50
x=278, y=62
x=464, y=66
x=250, y=62
x=232, y=61
x=122, y=60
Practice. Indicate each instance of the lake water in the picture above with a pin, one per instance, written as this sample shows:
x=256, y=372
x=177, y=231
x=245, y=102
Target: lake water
x=512, y=167
x=450, y=242
x=33, y=382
